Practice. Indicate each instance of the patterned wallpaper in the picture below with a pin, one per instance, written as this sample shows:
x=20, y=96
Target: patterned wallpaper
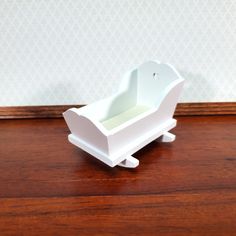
x=75, y=52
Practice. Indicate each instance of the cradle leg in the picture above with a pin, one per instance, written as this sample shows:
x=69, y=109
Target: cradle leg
x=129, y=162
x=166, y=138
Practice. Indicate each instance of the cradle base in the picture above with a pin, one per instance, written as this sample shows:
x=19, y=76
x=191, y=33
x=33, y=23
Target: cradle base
x=123, y=156
x=167, y=137
x=129, y=162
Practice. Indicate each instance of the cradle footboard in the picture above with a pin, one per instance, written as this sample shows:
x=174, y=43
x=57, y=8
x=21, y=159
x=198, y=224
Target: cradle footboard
x=88, y=132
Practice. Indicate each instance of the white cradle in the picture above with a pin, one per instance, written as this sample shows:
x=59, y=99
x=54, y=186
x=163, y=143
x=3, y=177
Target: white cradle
x=114, y=128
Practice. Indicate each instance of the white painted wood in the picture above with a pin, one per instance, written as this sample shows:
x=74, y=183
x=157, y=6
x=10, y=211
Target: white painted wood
x=166, y=137
x=114, y=158
x=129, y=162
x=152, y=85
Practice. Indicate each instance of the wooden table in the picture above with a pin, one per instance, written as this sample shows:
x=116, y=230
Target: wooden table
x=50, y=187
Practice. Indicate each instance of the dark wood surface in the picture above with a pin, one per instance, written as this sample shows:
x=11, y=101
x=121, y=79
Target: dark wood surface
x=206, y=108
x=55, y=111
x=50, y=187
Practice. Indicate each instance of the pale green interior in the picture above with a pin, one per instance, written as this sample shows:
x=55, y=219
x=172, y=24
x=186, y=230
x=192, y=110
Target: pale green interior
x=124, y=116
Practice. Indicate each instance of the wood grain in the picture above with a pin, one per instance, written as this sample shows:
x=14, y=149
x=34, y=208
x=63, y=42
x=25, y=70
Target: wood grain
x=183, y=109
x=208, y=213
x=25, y=112
x=50, y=187
x=206, y=108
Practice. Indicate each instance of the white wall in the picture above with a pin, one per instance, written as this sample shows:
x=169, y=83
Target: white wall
x=71, y=51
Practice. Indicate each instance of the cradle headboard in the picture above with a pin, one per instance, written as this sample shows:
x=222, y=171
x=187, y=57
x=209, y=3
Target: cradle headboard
x=152, y=78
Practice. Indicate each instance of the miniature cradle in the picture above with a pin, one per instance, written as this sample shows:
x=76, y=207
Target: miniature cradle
x=114, y=128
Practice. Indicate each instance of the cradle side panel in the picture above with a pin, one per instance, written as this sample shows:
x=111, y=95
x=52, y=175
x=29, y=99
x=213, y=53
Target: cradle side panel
x=85, y=130
x=136, y=139
x=149, y=126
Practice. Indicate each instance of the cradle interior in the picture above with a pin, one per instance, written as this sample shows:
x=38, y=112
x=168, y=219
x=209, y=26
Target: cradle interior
x=115, y=121
x=141, y=90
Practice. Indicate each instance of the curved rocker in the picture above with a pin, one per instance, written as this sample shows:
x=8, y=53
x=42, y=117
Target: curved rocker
x=140, y=112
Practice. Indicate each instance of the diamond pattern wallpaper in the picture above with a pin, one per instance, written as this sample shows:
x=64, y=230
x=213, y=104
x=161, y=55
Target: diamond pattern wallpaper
x=75, y=52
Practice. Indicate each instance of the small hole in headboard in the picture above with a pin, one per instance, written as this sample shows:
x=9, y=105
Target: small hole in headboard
x=155, y=75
